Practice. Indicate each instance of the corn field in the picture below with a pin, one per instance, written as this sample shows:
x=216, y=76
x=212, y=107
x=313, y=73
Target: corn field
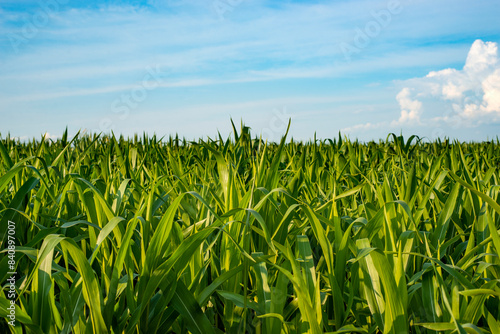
x=236, y=235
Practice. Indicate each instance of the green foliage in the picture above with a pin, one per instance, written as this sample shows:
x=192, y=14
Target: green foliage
x=147, y=235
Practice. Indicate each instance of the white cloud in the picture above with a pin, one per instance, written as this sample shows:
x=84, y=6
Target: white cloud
x=468, y=97
x=464, y=98
x=365, y=126
x=410, y=108
x=48, y=136
x=482, y=56
x=491, y=88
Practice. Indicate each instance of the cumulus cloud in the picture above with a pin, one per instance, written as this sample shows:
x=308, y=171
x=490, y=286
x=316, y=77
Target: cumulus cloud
x=410, y=108
x=465, y=97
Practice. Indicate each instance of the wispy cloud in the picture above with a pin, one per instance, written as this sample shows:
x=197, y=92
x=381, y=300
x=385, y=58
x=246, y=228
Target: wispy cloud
x=364, y=126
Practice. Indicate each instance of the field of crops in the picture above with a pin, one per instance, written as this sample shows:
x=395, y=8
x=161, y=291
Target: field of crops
x=233, y=235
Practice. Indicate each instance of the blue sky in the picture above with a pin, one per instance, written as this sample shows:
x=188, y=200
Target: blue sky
x=365, y=68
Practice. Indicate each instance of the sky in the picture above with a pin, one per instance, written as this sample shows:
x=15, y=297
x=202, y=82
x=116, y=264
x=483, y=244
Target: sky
x=187, y=67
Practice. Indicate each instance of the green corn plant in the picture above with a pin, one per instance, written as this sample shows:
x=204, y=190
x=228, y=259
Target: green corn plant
x=240, y=235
